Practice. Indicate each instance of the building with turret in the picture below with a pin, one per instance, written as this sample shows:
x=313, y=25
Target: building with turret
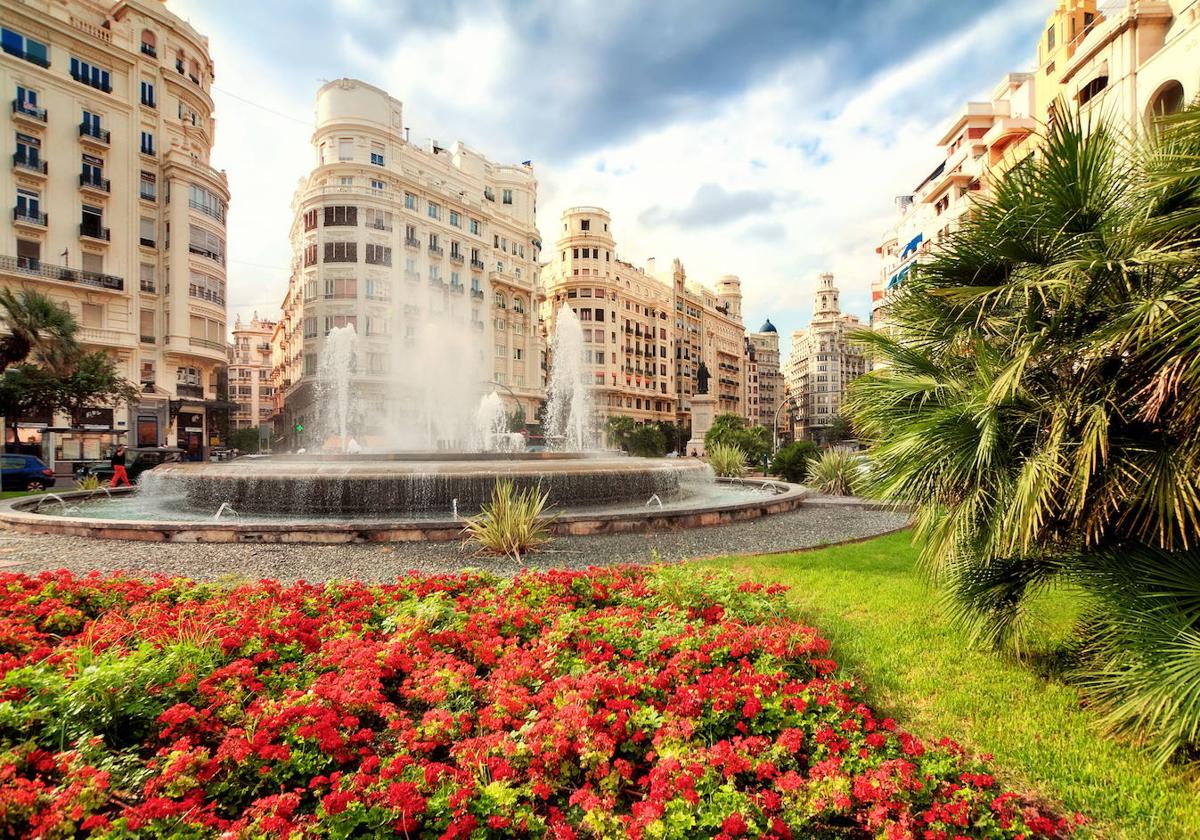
x=823, y=361
x=646, y=332
x=764, y=346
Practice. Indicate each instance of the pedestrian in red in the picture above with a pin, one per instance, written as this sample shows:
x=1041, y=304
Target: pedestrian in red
x=118, y=465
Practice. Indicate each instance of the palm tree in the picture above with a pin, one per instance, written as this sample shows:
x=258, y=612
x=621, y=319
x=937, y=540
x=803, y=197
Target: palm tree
x=1041, y=407
x=38, y=329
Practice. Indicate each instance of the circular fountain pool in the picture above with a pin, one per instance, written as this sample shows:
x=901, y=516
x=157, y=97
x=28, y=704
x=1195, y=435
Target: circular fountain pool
x=382, y=497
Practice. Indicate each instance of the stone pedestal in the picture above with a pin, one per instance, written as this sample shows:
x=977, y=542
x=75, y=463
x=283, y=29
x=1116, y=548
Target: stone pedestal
x=704, y=411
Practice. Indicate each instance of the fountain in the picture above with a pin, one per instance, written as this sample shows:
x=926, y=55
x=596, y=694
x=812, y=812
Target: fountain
x=445, y=445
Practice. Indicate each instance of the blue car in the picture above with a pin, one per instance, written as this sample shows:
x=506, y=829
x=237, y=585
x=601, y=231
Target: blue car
x=24, y=472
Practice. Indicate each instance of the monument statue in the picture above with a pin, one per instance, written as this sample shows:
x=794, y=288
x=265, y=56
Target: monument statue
x=703, y=377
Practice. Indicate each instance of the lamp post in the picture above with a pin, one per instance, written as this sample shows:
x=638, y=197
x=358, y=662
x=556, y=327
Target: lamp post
x=775, y=423
x=520, y=408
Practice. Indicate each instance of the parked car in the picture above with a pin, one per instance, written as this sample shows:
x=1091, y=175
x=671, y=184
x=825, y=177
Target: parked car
x=24, y=472
x=137, y=461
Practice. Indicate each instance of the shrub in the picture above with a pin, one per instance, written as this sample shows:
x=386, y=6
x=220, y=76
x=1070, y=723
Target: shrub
x=731, y=429
x=791, y=462
x=512, y=524
x=620, y=702
x=837, y=472
x=88, y=482
x=726, y=460
x=647, y=442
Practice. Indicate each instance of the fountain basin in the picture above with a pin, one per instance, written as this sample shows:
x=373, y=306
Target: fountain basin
x=751, y=501
x=418, y=483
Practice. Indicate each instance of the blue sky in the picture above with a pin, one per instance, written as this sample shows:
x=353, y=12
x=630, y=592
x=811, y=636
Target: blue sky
x=764, y=139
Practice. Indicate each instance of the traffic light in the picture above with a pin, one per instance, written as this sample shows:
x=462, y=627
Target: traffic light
x=299, y=427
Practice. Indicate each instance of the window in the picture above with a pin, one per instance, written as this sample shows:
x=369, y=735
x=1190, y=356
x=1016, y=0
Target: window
x=148, y=94
x=89, y=125
x=29, y=205
x=341, y=252
x=379, y=219
x=310, y=327
x=341, y=216
x=379, y=254
x=14, y=43
x=378, y=186
x=148, y=283
x=91, y=171
x=433, y=209
x=206, y=202
x=474, y=226
x=91, y=75
x=93, y=315
x=455, y=219
x=345, y=288
x=410, y=201
x=346, y=148
x=489, y=194
x=518, y=354
x=91, y=222
x=148, y=42
x=148, y=186
x=378, y=288
x=206, y=287
x=377, y=154
x=501, y=350
x=206, y=243
x=506, y=197
x=310, y=219
x=146, y=232
x=339, y=321
x=1050, y=38
x=585, y=224
x=1092, y=89
x=310, y=255
x=29, y=152
x=147, y=143
x=310, y=364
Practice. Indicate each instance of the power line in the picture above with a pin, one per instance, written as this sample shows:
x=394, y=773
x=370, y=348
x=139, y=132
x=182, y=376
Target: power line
x=262, y=107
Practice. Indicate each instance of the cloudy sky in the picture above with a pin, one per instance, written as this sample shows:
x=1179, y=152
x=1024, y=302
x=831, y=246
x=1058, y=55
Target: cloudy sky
x=764, y=138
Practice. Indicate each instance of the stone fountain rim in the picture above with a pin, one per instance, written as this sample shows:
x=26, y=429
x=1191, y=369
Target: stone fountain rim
x=16, y=515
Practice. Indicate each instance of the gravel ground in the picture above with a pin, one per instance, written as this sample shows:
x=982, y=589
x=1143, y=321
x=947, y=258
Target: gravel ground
x=812, y=525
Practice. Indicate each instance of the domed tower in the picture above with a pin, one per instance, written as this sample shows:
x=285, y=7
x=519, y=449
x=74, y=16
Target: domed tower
x=825, y=301
x=767, y=327
x=729, y=293
x=585, y=241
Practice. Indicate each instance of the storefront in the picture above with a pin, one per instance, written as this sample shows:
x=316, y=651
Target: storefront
x=190, y=434
x=64, y=447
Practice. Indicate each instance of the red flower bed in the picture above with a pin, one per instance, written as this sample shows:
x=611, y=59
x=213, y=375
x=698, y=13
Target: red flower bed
x=620, y=702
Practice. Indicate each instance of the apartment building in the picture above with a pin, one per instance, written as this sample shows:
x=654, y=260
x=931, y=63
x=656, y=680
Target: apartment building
x=657, y=327
x=824, y=359
x=430, y=253
x=251, y=382
x=111, y=123
x=769, y=395
x=1125, y=64
x=626, y=315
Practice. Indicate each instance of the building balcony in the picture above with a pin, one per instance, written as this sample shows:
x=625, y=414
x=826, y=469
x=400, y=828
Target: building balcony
x=98, y=337
x=456, y=258
x=477, y=294
x=29, y=166
x=30, y=218
x=24, y=112
x=93, y=135
x=95, y=232
x=148, y=49
x=193, y=391
x=26, y=267
x=477, y=265
x=437, y=284
x=436, y=251
x=412, y=242
x=95, y=184
x=457, y=288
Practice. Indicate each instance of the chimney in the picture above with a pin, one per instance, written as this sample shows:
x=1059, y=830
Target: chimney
x=650, y=266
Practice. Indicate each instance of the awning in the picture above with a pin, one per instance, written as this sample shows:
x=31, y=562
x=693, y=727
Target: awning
x=911, y=247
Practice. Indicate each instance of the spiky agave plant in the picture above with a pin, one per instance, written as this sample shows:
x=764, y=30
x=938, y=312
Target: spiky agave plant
x=837, y=472
x=726, y=460
x=88, y=482
x=512, y=524
x=1040, y=404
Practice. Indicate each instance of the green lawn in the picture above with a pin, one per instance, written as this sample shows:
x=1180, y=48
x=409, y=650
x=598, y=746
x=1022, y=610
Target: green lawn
x=886, y=627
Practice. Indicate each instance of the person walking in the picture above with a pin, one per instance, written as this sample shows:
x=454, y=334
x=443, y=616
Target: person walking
x=118, y=465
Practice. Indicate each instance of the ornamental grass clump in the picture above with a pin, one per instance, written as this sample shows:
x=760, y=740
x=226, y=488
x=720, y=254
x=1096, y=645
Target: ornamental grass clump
x=837, y=472
x=512, y=524
x=726, y=460
x=88, y=482
x=620, y=702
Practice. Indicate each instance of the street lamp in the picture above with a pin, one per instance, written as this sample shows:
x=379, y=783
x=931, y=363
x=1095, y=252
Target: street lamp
x=520, y=408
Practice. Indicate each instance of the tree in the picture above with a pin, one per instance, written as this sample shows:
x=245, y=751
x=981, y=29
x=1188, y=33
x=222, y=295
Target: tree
x=38, y=329
x=839, y=429
x=618, y=428
x=791, y=462
x=1041, y=408
x=732, y=430
x=245, y=441
x=93, y=381
x=647, y=441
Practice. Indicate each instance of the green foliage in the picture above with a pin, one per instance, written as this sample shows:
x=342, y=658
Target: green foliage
x=791, y=462
x=88, y=482
x=38, y=329
x=727, y=460
x=648, y=442
x=246, y=441
x=618, y=428
x=838, y=430
x=512, y=524
x=1040, y=405
x=732, y=430
x=837, y=472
